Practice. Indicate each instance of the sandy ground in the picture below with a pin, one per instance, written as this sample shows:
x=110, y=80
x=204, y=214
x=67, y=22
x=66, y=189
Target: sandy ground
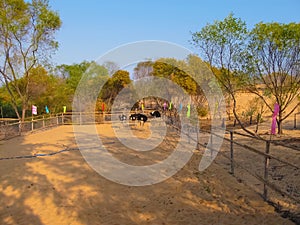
x=63, y=189
x=284, y=176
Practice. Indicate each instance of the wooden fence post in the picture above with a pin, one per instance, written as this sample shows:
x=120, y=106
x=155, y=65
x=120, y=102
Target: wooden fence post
x=80, y=118
x=20, y=128
x=189, y=133
x=211, y=145
x=62, y=119
x=267, y=162
x=257, y=122
x=231, y=153
x=197, y=130
x=32, y=127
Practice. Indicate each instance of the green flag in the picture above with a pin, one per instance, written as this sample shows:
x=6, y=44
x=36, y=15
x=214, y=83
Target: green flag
x=188, y=113
x=170, y=106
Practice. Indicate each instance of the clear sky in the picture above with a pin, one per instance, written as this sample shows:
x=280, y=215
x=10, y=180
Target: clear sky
x=92, y=27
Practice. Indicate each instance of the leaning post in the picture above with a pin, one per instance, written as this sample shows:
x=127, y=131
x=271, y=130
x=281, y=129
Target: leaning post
x=231, y=153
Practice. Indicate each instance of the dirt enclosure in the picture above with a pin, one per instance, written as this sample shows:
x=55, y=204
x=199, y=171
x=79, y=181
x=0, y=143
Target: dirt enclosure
x=63, y=189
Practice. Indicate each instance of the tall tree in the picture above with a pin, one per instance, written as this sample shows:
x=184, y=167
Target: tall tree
x=189, y=74
x=174, y=71
x=72, y=74
x=143, y=69
x=111, y=67
x=27, y=39
x=274, y=66
x=119, y=80
x=222, y=45
x=83, y=82
x=47, y=90
x=206, y=84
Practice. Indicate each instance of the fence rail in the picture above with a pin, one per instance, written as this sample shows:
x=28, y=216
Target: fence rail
x=16, y=128
x=13, y=128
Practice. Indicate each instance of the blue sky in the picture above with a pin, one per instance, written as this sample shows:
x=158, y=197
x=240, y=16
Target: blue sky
x=92, y=27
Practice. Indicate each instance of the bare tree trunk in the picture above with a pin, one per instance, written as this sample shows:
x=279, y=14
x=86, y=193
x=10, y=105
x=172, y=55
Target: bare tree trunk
x=229, y=111
x=279, y=126
x=16, y=111
x=257, y=122
x=279, y=123
x=23, y=114
x=240, y=122
x=21, y=128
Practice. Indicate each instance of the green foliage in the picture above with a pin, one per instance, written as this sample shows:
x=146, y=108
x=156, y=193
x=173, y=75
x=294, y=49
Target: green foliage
x=191, y=74
x=7, y=109
x=264, y=61
x=27, y=40
x=202, y=111
x=222, y=45
x=274, y=62
x=119, y=80
x=73, y=73
x=47, y=90
x=176, y=71
x=143, y=69
x=88, y=77
x=56, y=91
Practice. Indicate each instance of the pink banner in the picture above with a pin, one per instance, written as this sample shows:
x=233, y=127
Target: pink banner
x=275, y=113
x=34, y=110
x=165, y=106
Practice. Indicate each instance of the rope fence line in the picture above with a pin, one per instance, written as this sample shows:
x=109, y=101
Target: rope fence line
x=39, y=154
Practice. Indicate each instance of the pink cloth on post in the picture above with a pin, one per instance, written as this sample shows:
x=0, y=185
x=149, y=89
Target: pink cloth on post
x=275, y=113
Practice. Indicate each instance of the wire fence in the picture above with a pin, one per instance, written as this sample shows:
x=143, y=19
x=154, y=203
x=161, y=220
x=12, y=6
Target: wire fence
x=12, y=127
x=268, y=167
